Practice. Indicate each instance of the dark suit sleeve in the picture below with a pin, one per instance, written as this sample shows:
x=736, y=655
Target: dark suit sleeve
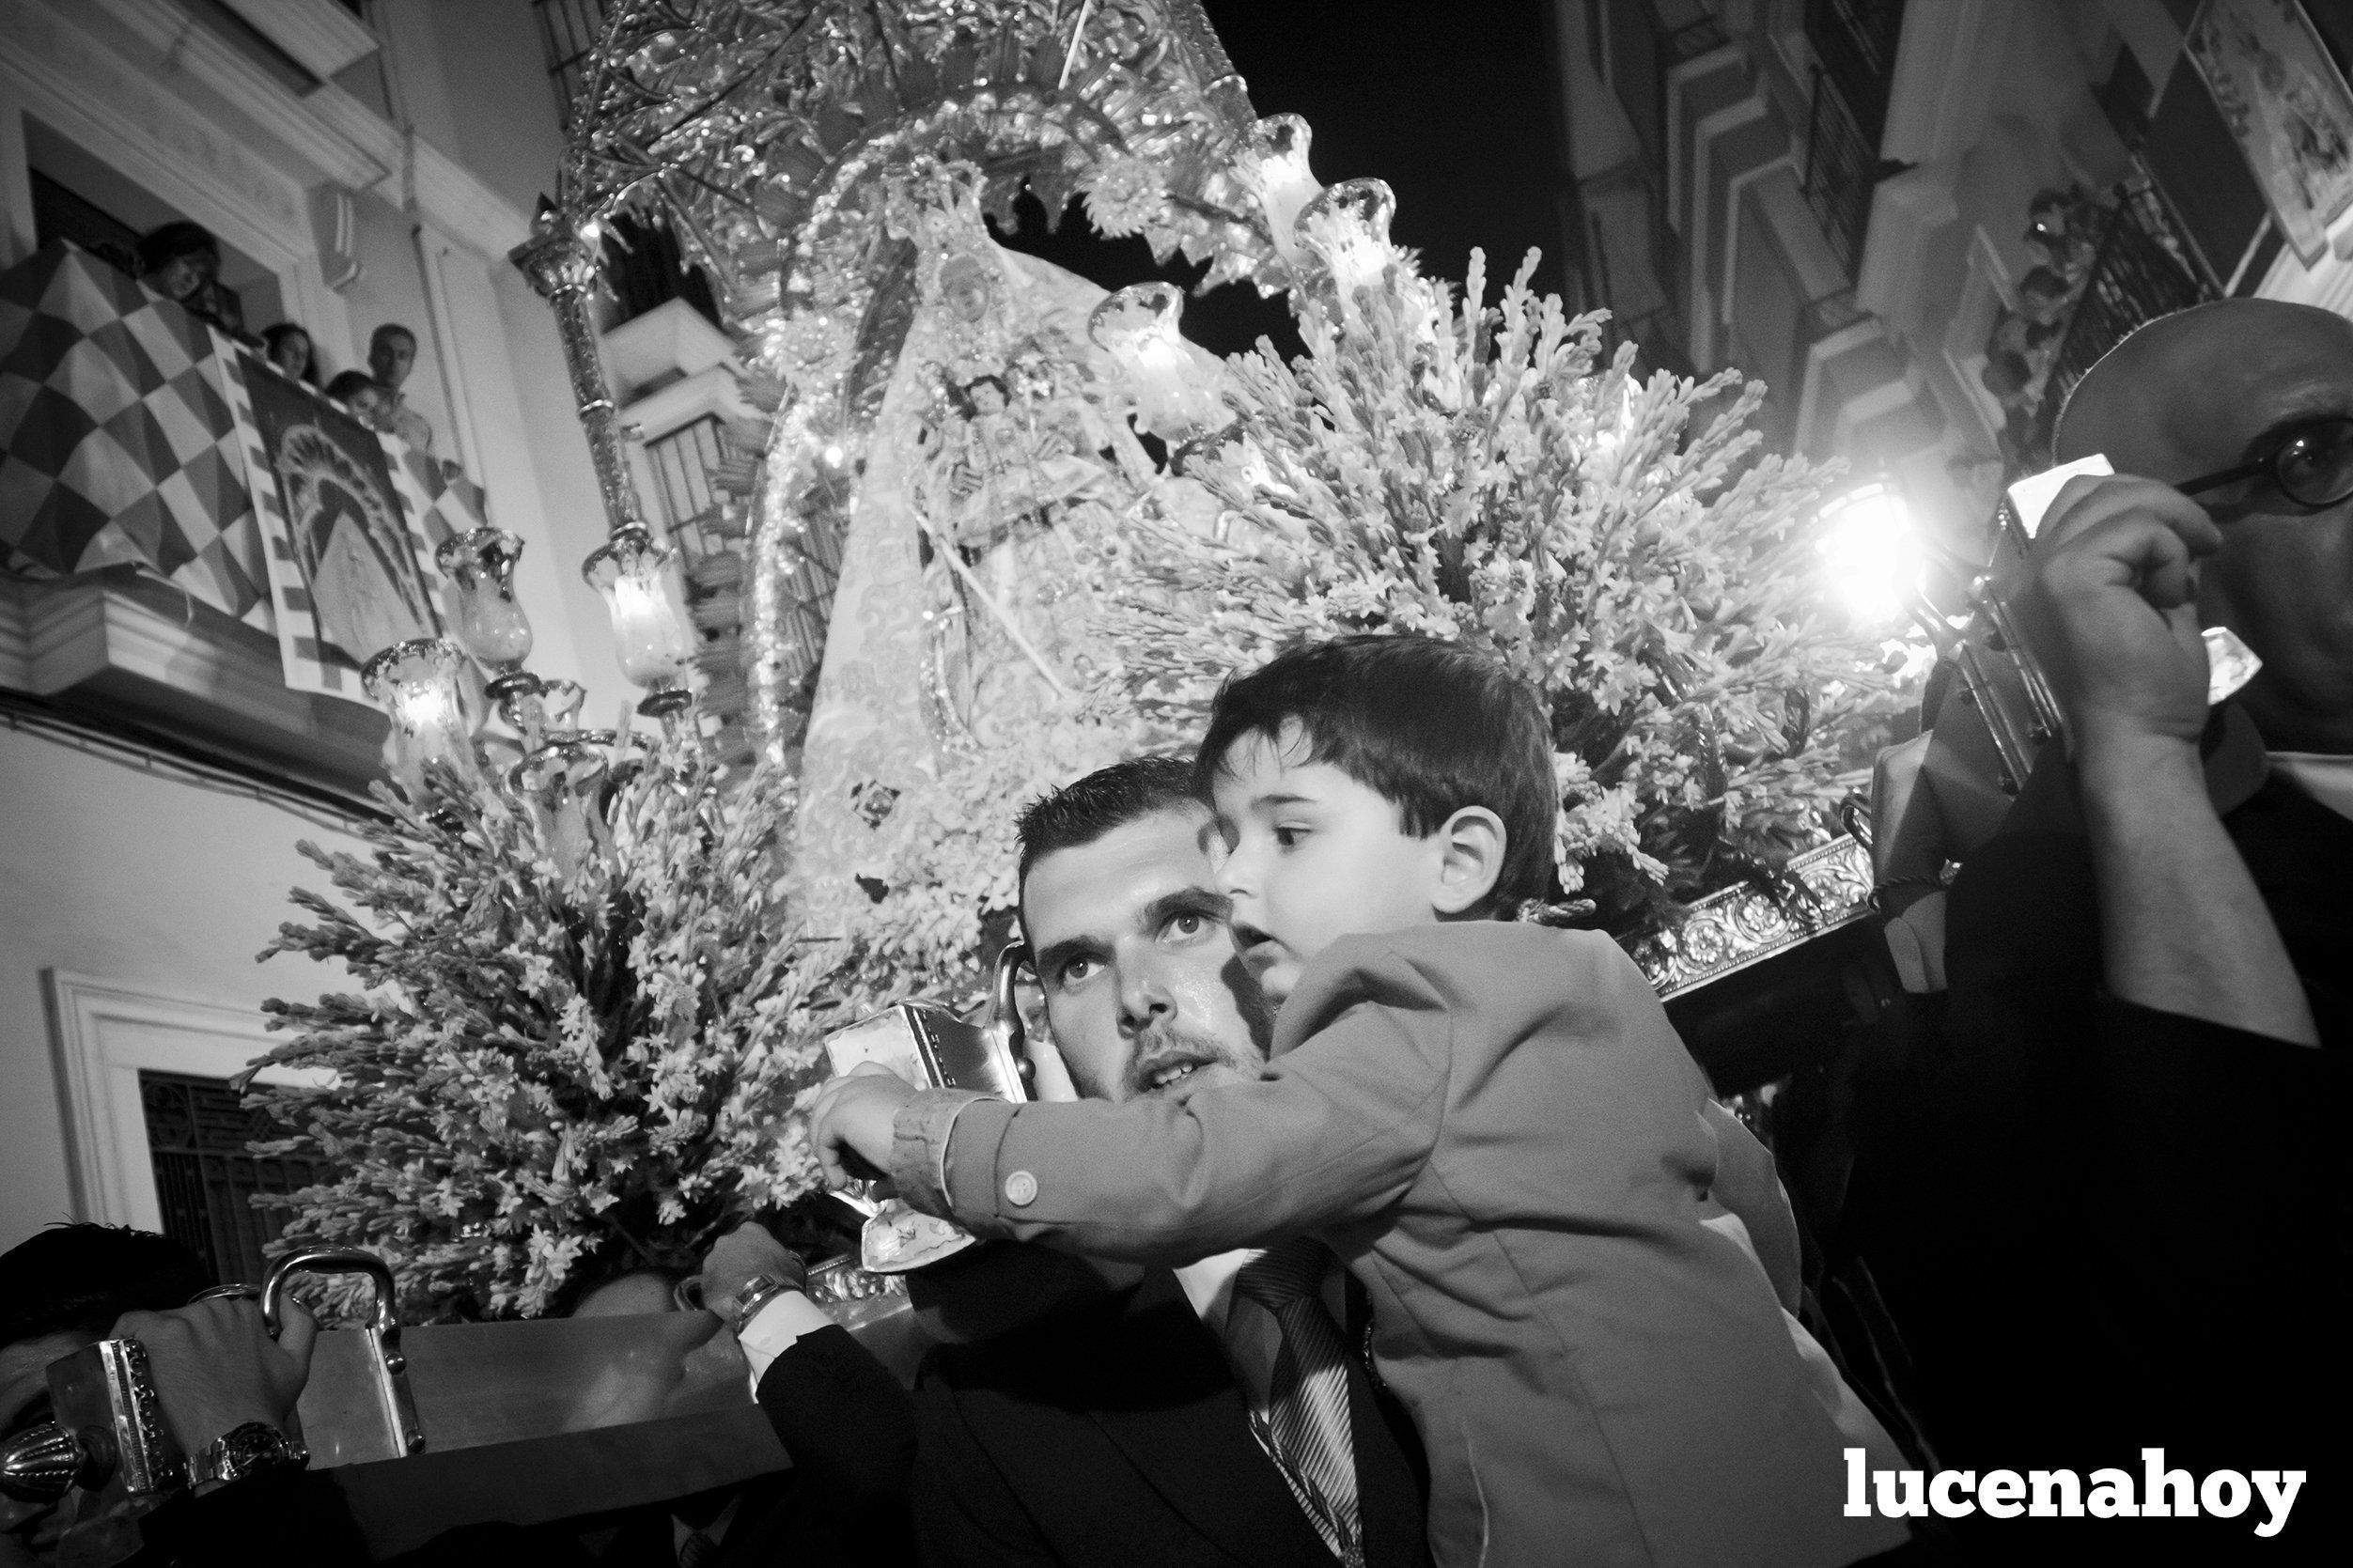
x=964, y=1511
x=2218, y=1204
x=850, y=1431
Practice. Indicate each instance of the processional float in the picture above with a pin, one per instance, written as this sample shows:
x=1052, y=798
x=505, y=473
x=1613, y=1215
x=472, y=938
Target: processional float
x=769, y=133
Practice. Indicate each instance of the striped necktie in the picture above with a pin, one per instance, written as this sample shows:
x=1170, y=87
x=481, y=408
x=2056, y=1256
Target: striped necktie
x=1306, y=1413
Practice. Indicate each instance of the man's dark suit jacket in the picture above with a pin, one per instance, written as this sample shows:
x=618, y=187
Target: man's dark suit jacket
x=849, y=1427
x=1112, y=1432
x=2103, y=1227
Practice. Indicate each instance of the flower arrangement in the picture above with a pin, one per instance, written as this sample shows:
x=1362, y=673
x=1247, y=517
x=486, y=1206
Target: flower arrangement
x=571, y=1037
x=1485, y=473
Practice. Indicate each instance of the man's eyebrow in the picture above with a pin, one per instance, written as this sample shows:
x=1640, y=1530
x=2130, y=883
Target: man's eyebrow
x=1049, y=962
x=1208, y=905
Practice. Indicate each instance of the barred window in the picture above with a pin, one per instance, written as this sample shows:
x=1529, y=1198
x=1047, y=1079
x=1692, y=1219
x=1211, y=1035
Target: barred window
x=206, y=1180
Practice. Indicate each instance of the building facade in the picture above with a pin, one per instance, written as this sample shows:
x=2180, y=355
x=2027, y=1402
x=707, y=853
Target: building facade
x=359, y=162
x=1918, y=221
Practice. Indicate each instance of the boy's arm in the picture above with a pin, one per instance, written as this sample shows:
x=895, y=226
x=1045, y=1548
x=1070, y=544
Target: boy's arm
x=1748, y=1183
x=1337, y=1130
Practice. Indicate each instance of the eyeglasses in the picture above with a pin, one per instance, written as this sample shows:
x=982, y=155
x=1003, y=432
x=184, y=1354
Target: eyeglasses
x=2311, y=465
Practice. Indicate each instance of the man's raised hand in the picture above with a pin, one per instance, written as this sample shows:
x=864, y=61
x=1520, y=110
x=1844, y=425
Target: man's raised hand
x=2110, y=606
x=850, y=1122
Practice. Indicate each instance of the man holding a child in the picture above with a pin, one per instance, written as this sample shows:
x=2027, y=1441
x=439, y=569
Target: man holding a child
x=1491, y=1123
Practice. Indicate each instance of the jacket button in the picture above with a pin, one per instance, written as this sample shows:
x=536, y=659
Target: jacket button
x=1020, y=1188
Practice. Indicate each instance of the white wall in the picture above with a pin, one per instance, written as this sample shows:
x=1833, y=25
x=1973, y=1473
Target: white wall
x=125, y=876
x=148, y=881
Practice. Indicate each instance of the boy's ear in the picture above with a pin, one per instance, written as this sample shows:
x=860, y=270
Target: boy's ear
x=1471, y=858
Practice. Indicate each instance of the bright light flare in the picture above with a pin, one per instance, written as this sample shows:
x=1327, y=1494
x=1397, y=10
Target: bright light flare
x=1871, y=550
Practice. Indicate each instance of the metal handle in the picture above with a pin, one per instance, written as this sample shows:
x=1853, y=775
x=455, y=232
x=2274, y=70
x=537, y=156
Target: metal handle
x=1005, y=1007
x=322, y=1262
x=383, y=1333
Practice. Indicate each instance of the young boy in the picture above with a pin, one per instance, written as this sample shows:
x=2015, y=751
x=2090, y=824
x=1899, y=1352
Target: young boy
x=1492, y=1123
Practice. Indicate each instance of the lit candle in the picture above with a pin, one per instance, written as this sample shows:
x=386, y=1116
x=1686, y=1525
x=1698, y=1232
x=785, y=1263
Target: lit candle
x=418, y=684
x=1273, y=163
x=480, y=567
x=644, y=592
x=1137, y=327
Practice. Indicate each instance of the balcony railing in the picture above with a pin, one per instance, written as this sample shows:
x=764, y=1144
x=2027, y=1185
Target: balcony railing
x=1854, y=43
x=2143, y=268
x=1842, y=169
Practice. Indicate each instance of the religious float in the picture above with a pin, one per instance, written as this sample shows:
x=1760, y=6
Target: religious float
x=987, y=527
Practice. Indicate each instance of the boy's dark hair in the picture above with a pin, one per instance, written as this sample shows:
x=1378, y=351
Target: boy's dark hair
x=1109, y=798
x=1429, y=725
x=349, y=381
x=81, y=1278
x=390, y=329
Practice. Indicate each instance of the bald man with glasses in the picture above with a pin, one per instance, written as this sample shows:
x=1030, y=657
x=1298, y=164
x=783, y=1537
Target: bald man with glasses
x=2126, y=1226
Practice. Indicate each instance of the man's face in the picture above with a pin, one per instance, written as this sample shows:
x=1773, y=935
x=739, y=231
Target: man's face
x=29, y=1531
x=2284, y=578
x=1144, y=993
x=390, y=357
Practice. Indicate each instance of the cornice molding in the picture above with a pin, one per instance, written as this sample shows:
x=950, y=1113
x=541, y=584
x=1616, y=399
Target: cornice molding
x=319, y=34
x=120, y=643
x=338, y=137
x=192, y=48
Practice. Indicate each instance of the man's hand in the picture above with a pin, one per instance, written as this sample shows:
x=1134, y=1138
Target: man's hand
x=216, y=1368
x=739, y=1257
x=2110, y=606
x=851, y=1117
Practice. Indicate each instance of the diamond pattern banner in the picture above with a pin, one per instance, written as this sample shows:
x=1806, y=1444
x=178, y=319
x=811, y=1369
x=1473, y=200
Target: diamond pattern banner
x=116, y=444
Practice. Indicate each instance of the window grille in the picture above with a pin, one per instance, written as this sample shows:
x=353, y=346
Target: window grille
x=206, y=1179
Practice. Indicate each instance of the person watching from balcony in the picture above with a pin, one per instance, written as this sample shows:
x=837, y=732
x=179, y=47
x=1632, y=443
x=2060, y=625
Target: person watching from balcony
x=391, y=355
x=2124, y=1120
x=181, y=261
x=287, y=347
x=359, y=391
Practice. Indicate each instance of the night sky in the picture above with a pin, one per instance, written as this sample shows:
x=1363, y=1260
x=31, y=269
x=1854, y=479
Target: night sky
x=1454, y=102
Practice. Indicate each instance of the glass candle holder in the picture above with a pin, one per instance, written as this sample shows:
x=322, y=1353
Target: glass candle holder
x=1345, y=229
x=419, y=685
x=562, y=783
x=480, y=567
x=1272, y=162
x=1137, y=327
x=644, y=592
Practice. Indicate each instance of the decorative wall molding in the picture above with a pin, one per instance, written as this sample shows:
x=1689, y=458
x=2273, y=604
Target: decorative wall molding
x=126, y=643
x=335, y=133
x=319, y=34
x=188, y=46
x=99, y=100
x=102, y=1034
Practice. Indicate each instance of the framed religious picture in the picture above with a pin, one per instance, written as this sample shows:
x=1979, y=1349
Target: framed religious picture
x=2288, y=107
x=351, y=554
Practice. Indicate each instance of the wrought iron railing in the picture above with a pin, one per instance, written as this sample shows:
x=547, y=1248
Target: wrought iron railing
x=1842, y=169
x=2144, y=267
x=1854, y=43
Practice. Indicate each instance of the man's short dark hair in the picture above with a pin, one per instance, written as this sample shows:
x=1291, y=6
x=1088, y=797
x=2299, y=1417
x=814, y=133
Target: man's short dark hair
x=159, y=247
x=390, y=329
x=1109, y=798
x=1429, y=725
x=80, y=1278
